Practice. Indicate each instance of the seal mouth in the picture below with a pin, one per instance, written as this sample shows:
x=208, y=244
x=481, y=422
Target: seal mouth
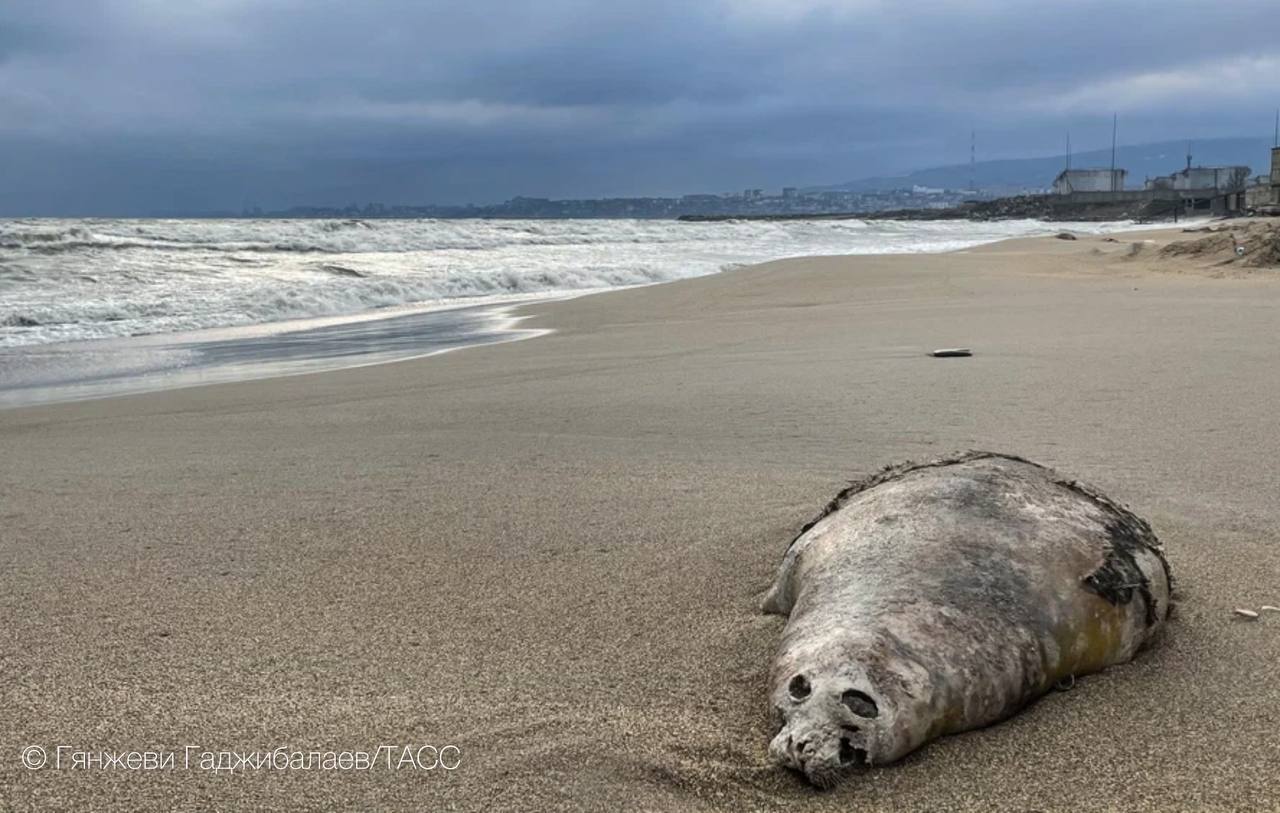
x=825, y=764
x=827, y=773
x=824, y=774
x=851, y=755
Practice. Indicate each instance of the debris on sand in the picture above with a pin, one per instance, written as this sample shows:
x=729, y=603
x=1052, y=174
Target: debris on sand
x=952, y=352
x=1251, y=245
x=1065, y=235
x=1267, y=608
x=1248, y=615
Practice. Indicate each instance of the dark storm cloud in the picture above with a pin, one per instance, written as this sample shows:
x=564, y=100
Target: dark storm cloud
x=145, y=105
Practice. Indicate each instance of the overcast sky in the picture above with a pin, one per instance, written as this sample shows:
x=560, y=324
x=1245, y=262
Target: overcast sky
x=139, y=106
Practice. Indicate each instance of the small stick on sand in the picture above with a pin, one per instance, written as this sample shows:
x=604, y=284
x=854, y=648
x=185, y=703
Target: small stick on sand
x=952, y=352
x=1248, y=614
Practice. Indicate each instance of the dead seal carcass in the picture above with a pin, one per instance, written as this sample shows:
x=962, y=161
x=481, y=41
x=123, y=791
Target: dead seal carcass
x=940, y=597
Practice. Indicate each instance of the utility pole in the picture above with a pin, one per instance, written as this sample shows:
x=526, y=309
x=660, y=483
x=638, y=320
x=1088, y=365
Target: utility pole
x=1068, y=149
x=1113, y=151
x=1275, y=142
x=973, y=160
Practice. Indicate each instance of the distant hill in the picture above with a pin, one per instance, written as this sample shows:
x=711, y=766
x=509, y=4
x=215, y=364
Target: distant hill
x=1142, y=160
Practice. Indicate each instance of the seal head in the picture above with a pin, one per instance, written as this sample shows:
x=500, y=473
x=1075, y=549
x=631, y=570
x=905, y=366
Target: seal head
x=828, y=724
x=843, y=703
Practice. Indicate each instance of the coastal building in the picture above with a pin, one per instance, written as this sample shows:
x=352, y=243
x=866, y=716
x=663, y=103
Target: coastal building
x=1221, y=190
x=1265, y=189
x=1259, y=193
x=1219, y=179
x=1089, y=180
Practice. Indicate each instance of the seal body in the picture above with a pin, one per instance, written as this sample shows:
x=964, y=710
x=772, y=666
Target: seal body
x=940, y=597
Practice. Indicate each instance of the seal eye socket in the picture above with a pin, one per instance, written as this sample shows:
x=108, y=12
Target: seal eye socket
x=798, y=688
x=859, y=703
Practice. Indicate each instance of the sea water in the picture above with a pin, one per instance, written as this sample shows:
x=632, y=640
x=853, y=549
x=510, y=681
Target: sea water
x=95, y=306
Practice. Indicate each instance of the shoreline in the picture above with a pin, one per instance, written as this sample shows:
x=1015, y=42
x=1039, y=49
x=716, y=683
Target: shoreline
x=72, y=371
x=254, y=354
x=550, y=554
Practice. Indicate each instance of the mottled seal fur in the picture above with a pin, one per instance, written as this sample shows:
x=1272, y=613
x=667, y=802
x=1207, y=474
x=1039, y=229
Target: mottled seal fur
x=940, y=597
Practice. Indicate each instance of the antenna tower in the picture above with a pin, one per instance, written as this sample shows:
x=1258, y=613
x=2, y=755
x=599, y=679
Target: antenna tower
x=1113, y=152
x=973, y=160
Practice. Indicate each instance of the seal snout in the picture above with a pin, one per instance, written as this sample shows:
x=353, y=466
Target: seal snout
x=822, y=755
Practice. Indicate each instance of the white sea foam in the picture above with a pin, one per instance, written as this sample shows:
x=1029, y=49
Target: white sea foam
x=69, y=280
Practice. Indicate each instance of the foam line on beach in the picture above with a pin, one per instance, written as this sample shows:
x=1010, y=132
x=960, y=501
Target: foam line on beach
x=77, y=372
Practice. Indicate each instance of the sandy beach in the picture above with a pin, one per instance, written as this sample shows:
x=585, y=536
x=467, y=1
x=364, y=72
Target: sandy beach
x=550, y=553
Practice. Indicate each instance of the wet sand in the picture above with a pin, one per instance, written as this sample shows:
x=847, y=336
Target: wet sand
x=550, y=553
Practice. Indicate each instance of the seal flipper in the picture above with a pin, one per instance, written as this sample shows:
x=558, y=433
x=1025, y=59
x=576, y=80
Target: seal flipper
x=781, y=596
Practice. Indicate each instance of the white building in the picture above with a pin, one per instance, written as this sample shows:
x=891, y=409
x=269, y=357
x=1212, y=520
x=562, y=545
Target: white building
x=1220, y=179
x=1089, y=180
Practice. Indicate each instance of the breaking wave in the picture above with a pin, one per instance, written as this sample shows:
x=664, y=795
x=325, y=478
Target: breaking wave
x=65, y=280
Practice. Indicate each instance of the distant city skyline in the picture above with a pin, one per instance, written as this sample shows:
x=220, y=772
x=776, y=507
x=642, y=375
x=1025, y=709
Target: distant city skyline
x=139, y=107
x=926, y=188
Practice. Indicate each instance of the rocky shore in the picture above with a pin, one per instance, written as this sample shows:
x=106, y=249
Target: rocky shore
x=1022, y=207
